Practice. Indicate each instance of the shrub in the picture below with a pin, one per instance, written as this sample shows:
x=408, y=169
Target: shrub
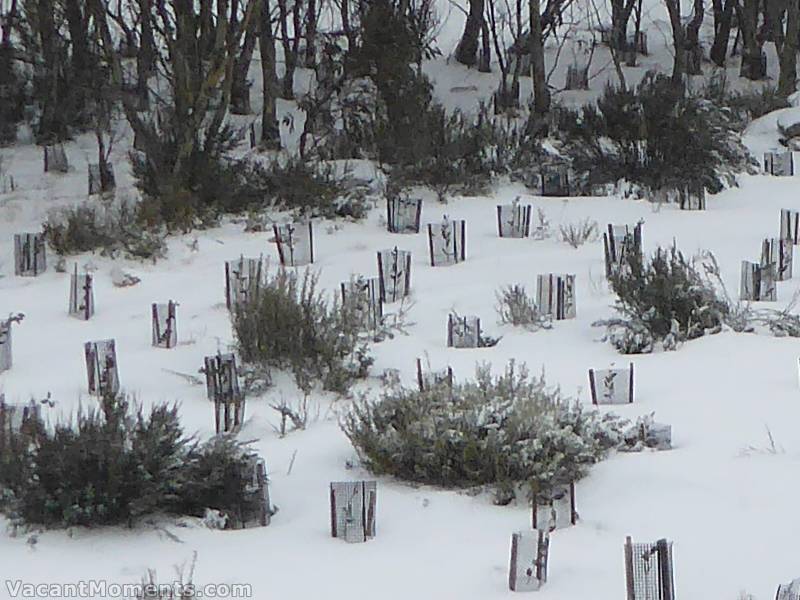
x=503, y=432
x=241, y=186
x=742, y=317
x=745, y=105
x=111, y=230
x=310, y=188
x=577, y=234
x=290, y=325
x=190, y=192
x=665, y=298
x=657, y=136
x=465, y=154
x=217, y=474
x=515, y=307
x=116, y=464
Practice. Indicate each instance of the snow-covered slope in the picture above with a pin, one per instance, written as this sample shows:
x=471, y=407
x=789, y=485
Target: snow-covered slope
x=730, y=511
x=728, y=504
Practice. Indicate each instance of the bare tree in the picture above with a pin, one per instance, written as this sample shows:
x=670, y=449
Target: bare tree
x=678, y=41
x=312, y=18
x=786, y=45
x=81, y=70
x=541, y=93
x=509, y=60
x=11, y=92
x=47, y=51
x=290, y=42
x=197, y=63
x=9, y=13
x=694, y=52
x=467, y=49
x=614, y=51
x=723, y=19
x=270, y=131
x=620, y=15
x=240, y=87
x=753, y=64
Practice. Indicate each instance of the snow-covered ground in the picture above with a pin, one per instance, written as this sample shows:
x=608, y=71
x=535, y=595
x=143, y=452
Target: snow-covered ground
x=730, y=510
x=727, y=503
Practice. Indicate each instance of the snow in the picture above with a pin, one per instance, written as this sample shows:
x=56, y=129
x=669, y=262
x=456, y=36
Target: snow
x=727, y=501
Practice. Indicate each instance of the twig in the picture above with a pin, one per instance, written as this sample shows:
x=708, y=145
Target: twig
x=190, y=378
x=291, y=463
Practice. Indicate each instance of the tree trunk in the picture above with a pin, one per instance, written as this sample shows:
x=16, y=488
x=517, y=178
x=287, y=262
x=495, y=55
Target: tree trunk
x=311, y=35
x=344, y=13
x=772, y=26
x=620, y=15
x=678, y=41
x=270, y=132
x=485, y=59
x=753, y=65
x=290, y=45
x=723, y=17
x=694, y=52
x=6, y=24
x=78, y=36
x=541, y=94
x=787, y=80
x=467, y=49
x=240, y=87
x=53, y=122
x=146, y=58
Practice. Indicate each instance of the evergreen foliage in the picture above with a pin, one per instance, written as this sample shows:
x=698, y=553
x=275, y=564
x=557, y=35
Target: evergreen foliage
x=664, y=299
x=116, y=464
x=506, y=431
x=110, y=229
x=658, y=135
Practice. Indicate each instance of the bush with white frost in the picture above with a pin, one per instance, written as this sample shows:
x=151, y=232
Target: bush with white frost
x=508, y=432
x=515, y=307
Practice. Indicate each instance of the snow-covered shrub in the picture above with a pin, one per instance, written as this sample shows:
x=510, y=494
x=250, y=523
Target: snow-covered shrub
x=577, y=234
x=516, y=307
x=506, y=432
x=289, y=324
x=115, y=464
x=659, y=135
x=662, y=299
x=645, y=432
x=110, y=229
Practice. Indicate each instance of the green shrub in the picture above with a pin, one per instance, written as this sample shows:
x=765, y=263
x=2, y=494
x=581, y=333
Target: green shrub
x=194, y=193
x=116, y=464
x=231, y=187
x=503, y=432
x=309, y=188
x=110, y=229
x=289, y=324
x=465, y=154
x=665, y=298
x=657, y=135
x=216, y=474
